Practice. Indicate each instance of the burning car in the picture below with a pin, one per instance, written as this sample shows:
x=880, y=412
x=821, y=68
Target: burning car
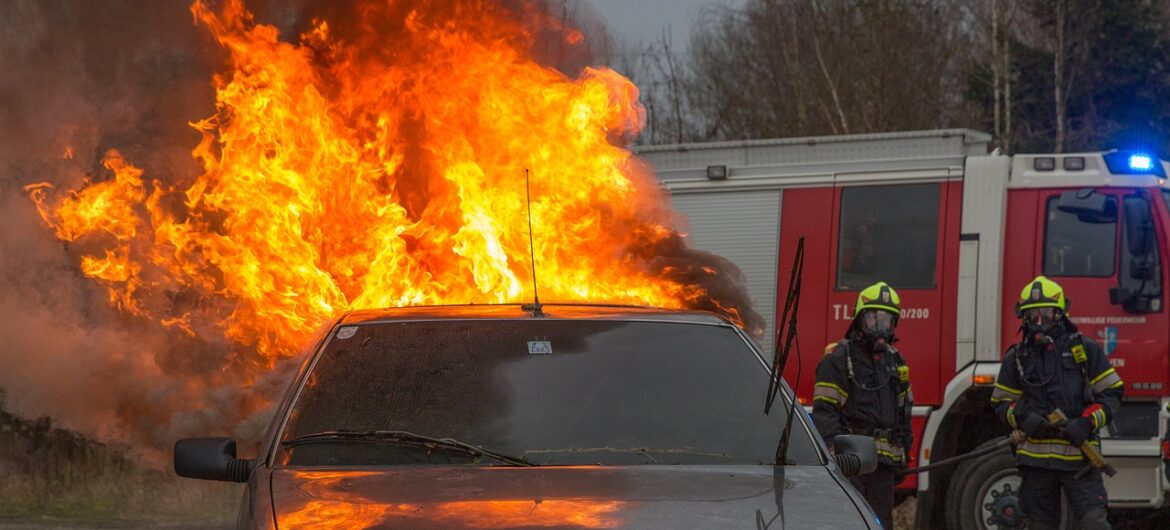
x=510, y=416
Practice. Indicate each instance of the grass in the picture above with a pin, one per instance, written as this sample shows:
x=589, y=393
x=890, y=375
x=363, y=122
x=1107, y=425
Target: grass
x=50, y=473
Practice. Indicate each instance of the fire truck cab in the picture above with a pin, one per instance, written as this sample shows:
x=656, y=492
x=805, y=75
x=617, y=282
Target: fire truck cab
x=958, y=232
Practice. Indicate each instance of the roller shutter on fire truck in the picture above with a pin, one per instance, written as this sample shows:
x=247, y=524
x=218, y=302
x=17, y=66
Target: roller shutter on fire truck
x=742, y=227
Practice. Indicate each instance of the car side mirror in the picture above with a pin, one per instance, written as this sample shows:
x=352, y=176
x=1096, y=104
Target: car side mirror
x=211, y=459
x=856, y=455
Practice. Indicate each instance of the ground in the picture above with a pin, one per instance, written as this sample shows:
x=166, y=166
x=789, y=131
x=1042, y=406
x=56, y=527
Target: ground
x=110, y=525
x=904, y=514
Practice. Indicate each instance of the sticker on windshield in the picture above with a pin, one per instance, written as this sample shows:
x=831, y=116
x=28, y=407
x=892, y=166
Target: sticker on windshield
x=539, y=347
x=346, y=332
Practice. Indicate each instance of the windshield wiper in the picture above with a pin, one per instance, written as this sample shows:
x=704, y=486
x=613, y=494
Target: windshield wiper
x=404, y=438
x=784, y=338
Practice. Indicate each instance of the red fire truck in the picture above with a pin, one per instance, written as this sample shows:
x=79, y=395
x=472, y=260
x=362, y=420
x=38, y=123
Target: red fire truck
x=958, y=232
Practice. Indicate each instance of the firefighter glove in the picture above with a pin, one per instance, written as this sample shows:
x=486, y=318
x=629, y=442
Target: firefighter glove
x=1078, y=430
x=900, y=472
x=907, y=440
x=1035, y=426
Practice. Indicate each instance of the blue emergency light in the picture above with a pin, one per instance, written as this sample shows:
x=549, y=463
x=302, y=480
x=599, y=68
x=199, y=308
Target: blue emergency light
x=1140, y=162
x=1133, y=163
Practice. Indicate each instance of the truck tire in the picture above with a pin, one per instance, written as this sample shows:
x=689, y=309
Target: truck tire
x=983, y=492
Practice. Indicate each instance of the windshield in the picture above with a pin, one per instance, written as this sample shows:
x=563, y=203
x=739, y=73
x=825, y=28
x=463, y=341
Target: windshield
x=552, y=392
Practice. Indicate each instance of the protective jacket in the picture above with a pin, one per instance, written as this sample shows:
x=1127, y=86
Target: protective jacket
x=858, y=392
x=1071, y=374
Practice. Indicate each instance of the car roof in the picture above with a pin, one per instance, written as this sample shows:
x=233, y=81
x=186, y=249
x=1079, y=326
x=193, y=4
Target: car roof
x=524, y=312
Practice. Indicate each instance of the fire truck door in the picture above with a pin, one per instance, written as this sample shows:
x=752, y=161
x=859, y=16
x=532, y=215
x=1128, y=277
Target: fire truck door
x=894, y=233
x=1103, y=247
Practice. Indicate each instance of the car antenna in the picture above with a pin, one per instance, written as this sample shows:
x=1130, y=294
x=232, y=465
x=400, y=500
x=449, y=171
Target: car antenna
x=536, y=307
x=784, y=338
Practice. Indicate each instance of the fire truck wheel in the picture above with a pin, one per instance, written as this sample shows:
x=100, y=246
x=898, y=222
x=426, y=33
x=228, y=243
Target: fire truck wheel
x=983, y=494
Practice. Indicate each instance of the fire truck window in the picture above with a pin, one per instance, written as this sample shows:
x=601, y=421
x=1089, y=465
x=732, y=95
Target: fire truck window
x=1080, y=243
x=888, y=233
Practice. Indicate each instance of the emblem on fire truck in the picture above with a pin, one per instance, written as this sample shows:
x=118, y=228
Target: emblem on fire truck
x=1108, y=338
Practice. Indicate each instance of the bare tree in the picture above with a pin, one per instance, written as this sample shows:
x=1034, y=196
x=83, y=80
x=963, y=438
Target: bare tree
x=831, y=80
x=1073, y=30
x=1005, y=62
x=1059, y=56
x=800, y=67
x=1065, y=30
x=666, y=65
x=996, y=69
x=1001, y=18
x=661, y=76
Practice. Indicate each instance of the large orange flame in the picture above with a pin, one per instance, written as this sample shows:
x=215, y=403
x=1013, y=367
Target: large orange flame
x=382, y=162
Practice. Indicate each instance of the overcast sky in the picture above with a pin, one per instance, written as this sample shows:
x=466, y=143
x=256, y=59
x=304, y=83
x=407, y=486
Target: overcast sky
x=642, y=21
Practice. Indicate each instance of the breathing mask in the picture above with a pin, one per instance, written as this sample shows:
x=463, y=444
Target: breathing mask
x=1041, y=323
x=877, y=328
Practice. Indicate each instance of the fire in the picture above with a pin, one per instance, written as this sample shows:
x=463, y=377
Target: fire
x=381, y=161
x=545, y=513
x=358, y=511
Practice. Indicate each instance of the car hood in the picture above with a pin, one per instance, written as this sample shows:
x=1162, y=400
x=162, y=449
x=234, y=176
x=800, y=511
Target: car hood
x=565, y=497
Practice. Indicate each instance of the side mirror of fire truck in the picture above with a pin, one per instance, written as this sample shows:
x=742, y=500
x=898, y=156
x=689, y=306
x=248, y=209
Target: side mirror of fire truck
x=1141, y=270
x=1119, y=295
x=1139, y=241
x=1139, y=229
x=1131, y=301
x=1088, y=206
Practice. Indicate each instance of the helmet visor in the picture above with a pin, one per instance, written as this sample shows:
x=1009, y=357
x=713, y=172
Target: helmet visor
x=876, y=322
x=1040, y=316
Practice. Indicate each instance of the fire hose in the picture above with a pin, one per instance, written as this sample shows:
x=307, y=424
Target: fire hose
x=1015, y=438
x=1006, y=441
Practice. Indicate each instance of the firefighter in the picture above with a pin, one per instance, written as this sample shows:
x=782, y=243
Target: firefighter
x=863, y=387
x=1055, y=367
